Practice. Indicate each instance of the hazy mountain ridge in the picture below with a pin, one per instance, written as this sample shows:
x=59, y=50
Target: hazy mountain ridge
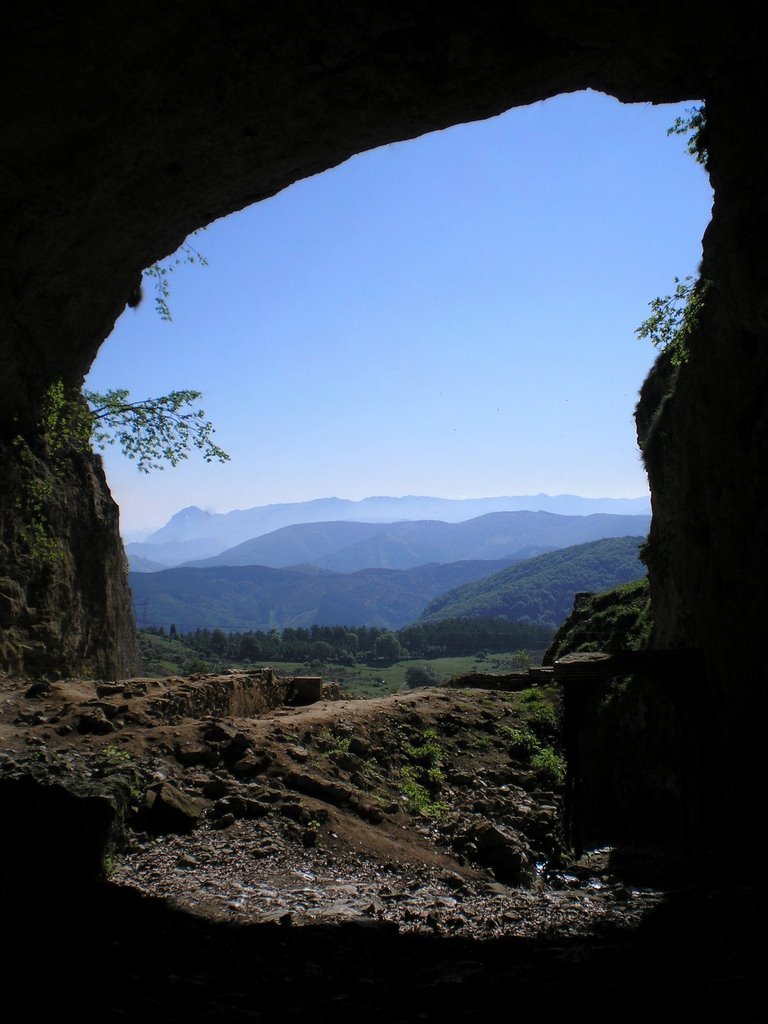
x=193, y=534
x=262, y=597
x=349, y=547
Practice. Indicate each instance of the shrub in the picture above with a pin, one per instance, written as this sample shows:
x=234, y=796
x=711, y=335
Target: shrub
x=549, y=765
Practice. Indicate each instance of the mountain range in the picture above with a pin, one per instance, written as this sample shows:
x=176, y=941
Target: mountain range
x=349, y=547
x=253, y=597
x=193, y=534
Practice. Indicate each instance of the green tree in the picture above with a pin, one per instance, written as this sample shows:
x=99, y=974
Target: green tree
x=523, y=660
x=219, y=641
x=153, y=430
x=387, y=648
x=321, y=650
x=421, y=675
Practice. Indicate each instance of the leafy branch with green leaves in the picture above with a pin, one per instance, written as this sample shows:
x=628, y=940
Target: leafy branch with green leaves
x=675, y=317
x=693, y=125
x=154, y=430
x=159, y=273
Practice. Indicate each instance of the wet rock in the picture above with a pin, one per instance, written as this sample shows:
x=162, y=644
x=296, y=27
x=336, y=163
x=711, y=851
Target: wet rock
x=294, y=811
x=36, y=690
x=234, y=805
x=224, y=821
x=95, y=722
x=462, y=778
x=346, y=761
x=371, y=812
x=251, y=764
x=192, y=755
x=218, y=732
x=267, y=795
x=256, y=808
x=266, y=848
x=108, y=689
x=167, y=809
x=237, y=747
x=216, y=788
x=30, y=718
x=454, y=881
x=359, y=746
x=331, y=792
x=505, y=852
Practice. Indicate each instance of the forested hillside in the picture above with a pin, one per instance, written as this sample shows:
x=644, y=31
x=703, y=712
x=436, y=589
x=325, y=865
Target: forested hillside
x=542, y=589
x=257, y=597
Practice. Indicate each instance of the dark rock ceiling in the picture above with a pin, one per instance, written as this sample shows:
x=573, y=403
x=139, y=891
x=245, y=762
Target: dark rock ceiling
x=123, y=128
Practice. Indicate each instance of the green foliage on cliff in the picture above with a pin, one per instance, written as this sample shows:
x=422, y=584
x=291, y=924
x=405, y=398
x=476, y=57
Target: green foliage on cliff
x=32, y=490
x=66, y=422
x=35, y=462
x=614, y=621
x=151, y=431
x=159, y=273
x=693, y=125
x=674, y=318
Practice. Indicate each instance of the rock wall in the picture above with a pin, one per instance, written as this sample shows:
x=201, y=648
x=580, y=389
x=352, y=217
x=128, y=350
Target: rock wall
x=64, y=602
x=703, y=428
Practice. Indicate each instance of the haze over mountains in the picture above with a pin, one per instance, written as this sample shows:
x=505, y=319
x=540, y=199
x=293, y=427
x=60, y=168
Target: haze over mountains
x=346, y=571
x=349, y=547
x=193, y=535
x=258, y=597
x=255, y=597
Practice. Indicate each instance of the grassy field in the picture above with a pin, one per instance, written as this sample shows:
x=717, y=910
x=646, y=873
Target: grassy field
x=162, y=656
x=366, y=681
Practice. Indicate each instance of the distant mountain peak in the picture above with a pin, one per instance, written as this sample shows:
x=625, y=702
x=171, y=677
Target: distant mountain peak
x=219, y=531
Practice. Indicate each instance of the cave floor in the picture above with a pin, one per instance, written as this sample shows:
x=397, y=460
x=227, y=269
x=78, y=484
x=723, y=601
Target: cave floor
x=318, y=881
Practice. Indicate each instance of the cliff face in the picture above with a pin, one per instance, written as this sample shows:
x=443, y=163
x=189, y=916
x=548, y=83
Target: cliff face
x=64, y=603
x=704, y=433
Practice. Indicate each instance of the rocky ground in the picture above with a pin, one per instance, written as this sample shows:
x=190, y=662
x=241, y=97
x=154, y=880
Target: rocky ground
x=430, y=818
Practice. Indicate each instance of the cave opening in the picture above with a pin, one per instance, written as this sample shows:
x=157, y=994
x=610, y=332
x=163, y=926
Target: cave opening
x=666, y=226
x=104, y=178
x=424, y=301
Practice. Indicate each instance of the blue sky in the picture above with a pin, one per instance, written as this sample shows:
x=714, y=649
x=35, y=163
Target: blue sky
x=452, y=315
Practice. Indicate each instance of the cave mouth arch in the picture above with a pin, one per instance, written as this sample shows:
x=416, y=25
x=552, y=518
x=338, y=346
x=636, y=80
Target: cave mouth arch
x=126, y=134
x=122, y=143
x=506, y=247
